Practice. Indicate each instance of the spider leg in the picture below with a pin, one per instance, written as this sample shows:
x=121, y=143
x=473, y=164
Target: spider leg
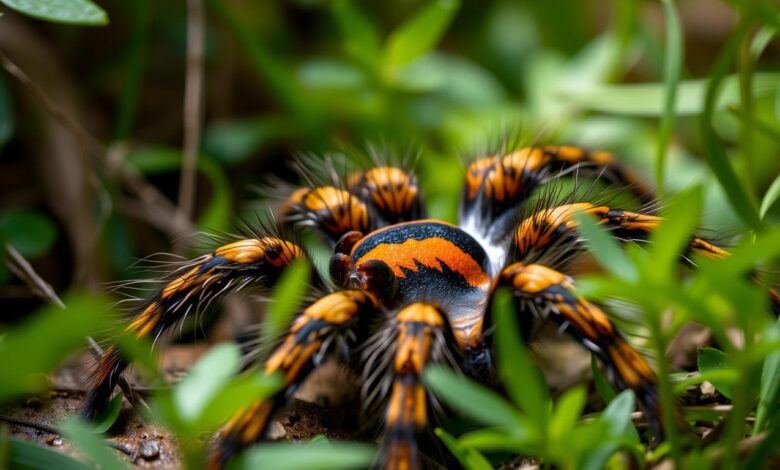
x=538, y=286
x=556, y=227
x=296, y=356
x=497, y=186
x=192, y=286
x=332, y=211
x=419, y=328
x=392, y=192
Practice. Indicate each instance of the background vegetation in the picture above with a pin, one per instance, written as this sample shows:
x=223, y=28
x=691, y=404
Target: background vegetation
x=100, y=116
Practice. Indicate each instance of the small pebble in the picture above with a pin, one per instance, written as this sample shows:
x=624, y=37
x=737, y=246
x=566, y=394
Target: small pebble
x=150, y=450
x=57, y=442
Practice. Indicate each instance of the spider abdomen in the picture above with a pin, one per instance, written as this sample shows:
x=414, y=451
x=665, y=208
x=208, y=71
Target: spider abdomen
x=437, y=263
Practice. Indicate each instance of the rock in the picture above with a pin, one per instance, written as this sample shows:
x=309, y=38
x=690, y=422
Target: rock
x=150, y=450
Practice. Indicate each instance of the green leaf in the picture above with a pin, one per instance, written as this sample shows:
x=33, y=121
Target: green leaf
x=86, y=440
x=23, y=455
x=523, y=380
x=55, y=333
x=617, y=415
x=108, y=416
x=418, y=35
x=31, y=233
x=567, y=411
x=286, y=299
x=79, y=12
x=6, y=114
x=306, y=456
x=205, y=379
x=711, y=359
x=647, y=99
x=770, y=384
x=361, y=39
x=472, y=399
x=468, y=457
x=771, y=197
x=605, y=249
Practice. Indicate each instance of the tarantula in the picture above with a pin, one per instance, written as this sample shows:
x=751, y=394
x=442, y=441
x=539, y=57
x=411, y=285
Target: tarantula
x=405, y=291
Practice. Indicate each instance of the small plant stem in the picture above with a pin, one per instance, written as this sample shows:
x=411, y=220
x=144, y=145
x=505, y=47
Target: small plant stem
x=664, y=387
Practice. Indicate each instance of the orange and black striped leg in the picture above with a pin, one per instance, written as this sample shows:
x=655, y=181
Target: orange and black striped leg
x=332, y=211
x=496, y=187
x=393, y=192
x=192, y=287
x=419, y=332
x=544, y=290
x=308, y=339
x=550, y=235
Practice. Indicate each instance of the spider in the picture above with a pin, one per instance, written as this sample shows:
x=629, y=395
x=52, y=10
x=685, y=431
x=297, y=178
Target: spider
x=405, y=291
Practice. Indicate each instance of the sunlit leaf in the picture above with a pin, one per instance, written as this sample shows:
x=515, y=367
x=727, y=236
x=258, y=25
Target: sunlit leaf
x=79, y=12
x=567, y=411
x=330, y=74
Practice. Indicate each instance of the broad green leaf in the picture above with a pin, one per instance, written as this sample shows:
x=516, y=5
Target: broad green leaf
x=491, y=440
x=567, y=411
x=647, y=99
x=55, y=333
x=617, y=415
x=6, y=114
x=468, y=457
x=673, y=60
x=710, y=359
x=361, y=39
x=31, y=233
x=522, y=379
x=286, y=299
x=306, y=456
x=23, y=455
x=770, y=385
x=615, y=430
x=205, y=379
x=472, y=399
x=771, y=197
x=87, y=441
x=605, y=249
x=155, y=160
x=79, y=12
x=418, y=35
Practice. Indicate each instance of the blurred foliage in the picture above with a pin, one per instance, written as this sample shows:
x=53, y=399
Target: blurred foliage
x=687, y=89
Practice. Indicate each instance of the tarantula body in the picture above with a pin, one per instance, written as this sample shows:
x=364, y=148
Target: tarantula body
x=405, y=291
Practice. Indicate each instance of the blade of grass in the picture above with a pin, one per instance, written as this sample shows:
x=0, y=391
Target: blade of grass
x=717, y=159
x=605, y=249
x=673, y=59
